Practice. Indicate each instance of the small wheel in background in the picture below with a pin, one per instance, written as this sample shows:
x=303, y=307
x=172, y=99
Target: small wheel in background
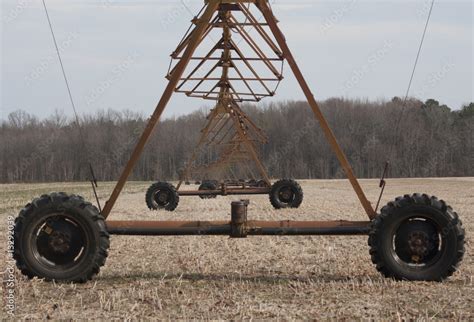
x=208, y=185
x=417, y=237
x=162, y=195
x=60, y=237
x=286, y=193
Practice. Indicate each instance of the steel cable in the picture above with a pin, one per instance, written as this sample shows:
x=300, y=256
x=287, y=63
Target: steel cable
x=93, y=179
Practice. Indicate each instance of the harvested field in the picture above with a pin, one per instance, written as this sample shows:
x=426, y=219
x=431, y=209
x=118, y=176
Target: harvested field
x=216, y=277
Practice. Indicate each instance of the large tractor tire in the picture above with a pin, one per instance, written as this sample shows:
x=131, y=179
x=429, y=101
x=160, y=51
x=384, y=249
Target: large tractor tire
x=60, y=237
x=286, y=193
x=417, y=237
x=162, y=195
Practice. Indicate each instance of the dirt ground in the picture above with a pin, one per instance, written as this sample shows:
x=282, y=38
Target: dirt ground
x=215, y=277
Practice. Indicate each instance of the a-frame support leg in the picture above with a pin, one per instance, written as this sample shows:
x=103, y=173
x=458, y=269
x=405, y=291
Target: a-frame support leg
x=270, y=19
x=201, y=25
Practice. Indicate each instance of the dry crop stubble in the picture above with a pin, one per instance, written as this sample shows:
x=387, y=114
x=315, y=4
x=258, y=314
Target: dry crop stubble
x=257, y=277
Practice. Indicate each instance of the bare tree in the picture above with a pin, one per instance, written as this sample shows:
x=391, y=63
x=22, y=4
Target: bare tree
x=419, y=139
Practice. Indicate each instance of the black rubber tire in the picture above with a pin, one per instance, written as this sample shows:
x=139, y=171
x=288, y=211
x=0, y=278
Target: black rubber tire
x=404, y=212
x=214, y=182
x=252, y=182
x=171, y=201
x=276, y=198
x=94, y=239
x=208, y=185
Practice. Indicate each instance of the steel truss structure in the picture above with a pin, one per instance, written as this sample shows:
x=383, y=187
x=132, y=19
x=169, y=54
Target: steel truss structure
x=230, y=72
x=222, y=14
x=63, y=237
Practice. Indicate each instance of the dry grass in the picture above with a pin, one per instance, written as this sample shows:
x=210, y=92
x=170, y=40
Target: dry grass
x=258, y=277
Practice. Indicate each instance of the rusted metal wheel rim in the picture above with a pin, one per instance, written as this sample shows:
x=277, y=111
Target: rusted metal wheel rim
x=417, y=242
x=286, y=194
x=161, y=197
x=59, y=241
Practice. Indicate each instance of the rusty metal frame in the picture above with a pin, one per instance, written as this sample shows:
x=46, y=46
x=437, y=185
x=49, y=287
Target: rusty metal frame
x=270, y=18
x=226, y=20
x=252, y=227
x=224, y=130
x=201, y=25
x=238, y=226
x=240, y=136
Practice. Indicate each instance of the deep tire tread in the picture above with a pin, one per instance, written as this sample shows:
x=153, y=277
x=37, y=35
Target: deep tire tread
x=274, y=200
x=57, y=199
x=158, y=186
x=391, y=210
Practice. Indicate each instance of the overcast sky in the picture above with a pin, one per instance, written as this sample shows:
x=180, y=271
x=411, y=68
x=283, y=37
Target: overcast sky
x=116, y=52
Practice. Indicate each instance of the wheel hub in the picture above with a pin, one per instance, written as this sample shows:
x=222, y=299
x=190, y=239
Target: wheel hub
x=161, y=197
x=417, y=242
x=59, y=242
x=286, y=194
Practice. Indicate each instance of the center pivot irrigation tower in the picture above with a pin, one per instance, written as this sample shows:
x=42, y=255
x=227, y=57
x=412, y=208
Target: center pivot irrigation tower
x=234, y=139
x=242, y=64
x=62, y=237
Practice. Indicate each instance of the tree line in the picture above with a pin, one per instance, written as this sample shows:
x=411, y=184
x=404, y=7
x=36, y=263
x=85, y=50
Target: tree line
x=419, y=139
